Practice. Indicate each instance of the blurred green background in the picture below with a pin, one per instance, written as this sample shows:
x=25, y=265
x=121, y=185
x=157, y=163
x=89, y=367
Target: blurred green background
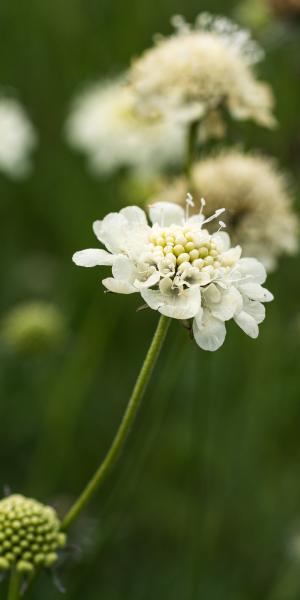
x=205, y=502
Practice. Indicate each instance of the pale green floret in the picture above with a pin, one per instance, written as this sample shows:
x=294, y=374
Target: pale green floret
x=30, y=534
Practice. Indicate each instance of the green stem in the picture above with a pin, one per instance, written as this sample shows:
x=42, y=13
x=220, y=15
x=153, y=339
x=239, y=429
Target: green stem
x=14, y=590
x=191, y=151
x=124, y=428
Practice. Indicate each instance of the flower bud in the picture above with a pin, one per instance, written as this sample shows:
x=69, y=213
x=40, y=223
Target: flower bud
x=33, y=327
x=30, y=534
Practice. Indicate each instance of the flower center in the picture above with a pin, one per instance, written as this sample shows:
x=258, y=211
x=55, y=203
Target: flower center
x=186, y=246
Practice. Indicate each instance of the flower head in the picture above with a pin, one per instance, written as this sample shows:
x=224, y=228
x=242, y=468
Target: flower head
x=17, y=138
x=257, y=199
x=202, y=68
x=180, y=269
x=104, y=124
x=30, y=534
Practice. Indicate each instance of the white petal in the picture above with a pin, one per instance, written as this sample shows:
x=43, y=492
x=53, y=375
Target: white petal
x=152, y=280
x=247, y=323
x=134, y=214
x=210, y=333
x=232, y=255
x=254, y=291
x=124, y=269
x=177, y=306
x=112, y=231
x=223, y=240
x=212, y=294
x=118, y=286
x=92, y=257
x=254, y=268
x=230, y=303
x=199, y=218
x=255, y=309
x=166, y=213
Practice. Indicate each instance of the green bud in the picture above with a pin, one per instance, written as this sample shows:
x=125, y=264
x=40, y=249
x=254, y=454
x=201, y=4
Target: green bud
x=30, y=534
x=33, y=327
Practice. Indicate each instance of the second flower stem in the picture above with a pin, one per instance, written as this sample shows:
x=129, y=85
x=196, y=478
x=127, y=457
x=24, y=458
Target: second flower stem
x=124, y=428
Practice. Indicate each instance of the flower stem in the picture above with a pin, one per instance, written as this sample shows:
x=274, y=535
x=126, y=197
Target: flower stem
x=124, y=428
x=191, y=151
x=14, y=590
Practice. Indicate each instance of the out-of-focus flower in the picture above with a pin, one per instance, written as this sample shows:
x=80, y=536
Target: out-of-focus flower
x=200, y=69
x=104, y=125
x=180, y=269
x=259, y=212
x=30, y=534
x=33, y=327
x=17, y=138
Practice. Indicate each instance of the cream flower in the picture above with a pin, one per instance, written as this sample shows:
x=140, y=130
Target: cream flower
x=180, y=269
x=104, y=125
x=200, y=69
x=17, y=138
x=257, y=199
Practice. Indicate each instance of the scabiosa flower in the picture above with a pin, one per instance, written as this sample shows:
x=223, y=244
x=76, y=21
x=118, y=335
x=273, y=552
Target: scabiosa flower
x=17, y=138
x=202, y=68
x=30, y=535
x=180, y=269
x=103, y=124
x=257, y=199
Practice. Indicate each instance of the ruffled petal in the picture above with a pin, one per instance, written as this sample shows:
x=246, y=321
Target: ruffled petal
x=183, y=305
x=118, y=286
x=93, y=257
x=254, y=291
x=209, y=332
x=124, y=269
x=255, y=310
x=166, y=213
x=134, y=215
x=152, y=280
x=112, y=231
x=230, y=303
x=222, y=239
x=247, y=323
x=252, y=268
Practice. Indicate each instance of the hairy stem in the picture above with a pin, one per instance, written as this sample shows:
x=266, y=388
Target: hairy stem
x=125, y=425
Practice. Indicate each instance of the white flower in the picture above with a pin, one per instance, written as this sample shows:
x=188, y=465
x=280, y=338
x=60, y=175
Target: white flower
x=17, y=138
x=201, y=69
x=104, y=125
x=180, y=269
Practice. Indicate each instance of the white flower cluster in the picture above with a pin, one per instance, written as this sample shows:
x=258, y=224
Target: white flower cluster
x=180, y=269
x=105, y=126
x=17, y=138
x=200, y=69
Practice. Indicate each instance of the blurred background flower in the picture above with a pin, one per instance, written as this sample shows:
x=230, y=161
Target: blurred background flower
x=106, y=127
x=17, y=138
x=202, y=68
x=33, y=327
x=256, y=195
